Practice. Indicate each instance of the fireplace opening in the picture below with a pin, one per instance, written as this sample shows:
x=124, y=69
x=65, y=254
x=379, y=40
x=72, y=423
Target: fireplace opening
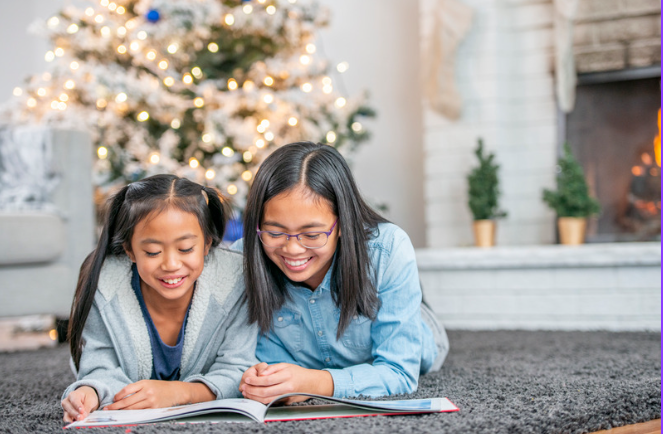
x=614, y=131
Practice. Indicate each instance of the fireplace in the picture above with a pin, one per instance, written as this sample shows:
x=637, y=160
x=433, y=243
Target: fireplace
x=614, y=131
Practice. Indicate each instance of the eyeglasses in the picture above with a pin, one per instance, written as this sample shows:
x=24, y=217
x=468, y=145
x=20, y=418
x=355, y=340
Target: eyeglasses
x=309, y=240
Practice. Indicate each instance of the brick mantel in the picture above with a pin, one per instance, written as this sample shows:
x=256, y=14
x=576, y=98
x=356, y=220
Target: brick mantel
x=617, y=34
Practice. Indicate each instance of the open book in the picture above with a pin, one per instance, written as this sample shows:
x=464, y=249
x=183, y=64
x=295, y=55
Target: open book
x=240, y=410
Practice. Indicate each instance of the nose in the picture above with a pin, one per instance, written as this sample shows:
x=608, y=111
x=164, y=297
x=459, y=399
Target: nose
x=171, y=261
x=292, y=246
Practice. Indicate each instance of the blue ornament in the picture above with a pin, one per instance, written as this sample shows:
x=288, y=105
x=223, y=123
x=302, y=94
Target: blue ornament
x=152, y=15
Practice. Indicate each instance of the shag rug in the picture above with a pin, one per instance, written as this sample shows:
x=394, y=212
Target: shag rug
x=502, y=381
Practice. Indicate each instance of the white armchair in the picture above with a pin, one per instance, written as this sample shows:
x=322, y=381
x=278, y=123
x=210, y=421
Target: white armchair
x=46, y=218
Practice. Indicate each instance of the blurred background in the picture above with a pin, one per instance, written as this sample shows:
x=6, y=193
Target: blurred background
x=405, y=90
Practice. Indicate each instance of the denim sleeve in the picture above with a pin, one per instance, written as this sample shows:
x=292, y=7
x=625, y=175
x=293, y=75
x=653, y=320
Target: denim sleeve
x=396, y=332
x=99, y=366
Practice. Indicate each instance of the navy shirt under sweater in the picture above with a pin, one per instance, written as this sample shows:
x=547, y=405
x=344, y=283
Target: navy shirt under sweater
x=166, y=359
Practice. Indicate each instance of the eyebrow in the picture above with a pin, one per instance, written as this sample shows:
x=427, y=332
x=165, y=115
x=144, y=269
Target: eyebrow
x=306, y=226
x=182, y=238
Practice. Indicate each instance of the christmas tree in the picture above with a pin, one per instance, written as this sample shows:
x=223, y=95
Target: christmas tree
x=572, y=197
x=200, y=88
x=483, y=187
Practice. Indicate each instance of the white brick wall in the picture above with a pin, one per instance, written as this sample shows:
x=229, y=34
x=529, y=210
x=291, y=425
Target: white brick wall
x=503, y=72
x=589, y=287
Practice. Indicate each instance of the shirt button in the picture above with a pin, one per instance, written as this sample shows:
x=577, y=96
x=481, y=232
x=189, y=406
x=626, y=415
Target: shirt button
x=312, y=301
x=280, y=318
x=327, y=359
x=320, y=333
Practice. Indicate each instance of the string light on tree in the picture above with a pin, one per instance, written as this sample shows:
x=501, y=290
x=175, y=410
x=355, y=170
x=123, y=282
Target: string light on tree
x=154, y=158
x=203, y=90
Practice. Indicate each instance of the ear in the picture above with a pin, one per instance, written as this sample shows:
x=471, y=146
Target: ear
x=130, y=254
x=208, y=244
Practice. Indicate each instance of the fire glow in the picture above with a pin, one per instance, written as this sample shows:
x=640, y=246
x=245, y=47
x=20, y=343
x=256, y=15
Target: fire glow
x=657, y=141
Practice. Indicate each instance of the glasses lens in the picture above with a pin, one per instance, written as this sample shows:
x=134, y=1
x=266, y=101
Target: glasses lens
x=272, y=239
x=313, y=240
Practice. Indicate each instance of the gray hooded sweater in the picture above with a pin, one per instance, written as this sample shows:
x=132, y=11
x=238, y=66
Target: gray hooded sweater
x=219, y=344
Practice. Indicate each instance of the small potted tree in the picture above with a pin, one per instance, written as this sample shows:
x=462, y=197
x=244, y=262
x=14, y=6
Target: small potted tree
x=483, y=195
x=571, y=201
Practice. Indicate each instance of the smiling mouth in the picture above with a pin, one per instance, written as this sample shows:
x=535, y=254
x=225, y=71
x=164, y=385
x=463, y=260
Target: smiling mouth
x=296, y=263
x=172, y=281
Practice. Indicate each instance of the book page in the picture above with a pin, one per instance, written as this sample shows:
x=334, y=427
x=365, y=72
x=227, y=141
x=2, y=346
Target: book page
x=305, y=412
x=247, y=407
x=406, y=405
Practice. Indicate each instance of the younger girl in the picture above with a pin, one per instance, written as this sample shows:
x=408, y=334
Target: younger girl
x=332, y=285
x=159, y=317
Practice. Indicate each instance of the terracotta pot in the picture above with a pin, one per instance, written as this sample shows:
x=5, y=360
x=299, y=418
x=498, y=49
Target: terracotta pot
x=571, y=230
x=484, y=233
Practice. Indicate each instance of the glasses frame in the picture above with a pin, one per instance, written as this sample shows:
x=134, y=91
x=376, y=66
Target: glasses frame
x=296, y=236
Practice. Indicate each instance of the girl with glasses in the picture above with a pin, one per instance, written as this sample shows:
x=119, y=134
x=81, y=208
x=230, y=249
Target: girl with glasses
x=332, y=285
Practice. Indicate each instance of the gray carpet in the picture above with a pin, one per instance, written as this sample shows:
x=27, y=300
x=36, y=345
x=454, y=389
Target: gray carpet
x=503, y=382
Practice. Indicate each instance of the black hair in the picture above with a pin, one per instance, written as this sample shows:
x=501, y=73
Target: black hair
x=124, y=211
x=323, y=171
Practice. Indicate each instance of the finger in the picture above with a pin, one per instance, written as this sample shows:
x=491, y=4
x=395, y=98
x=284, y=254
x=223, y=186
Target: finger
x=69, y=410
x=141, y=405
x=260, y=367
x=126, y=402
x=127, y=390
x=270, y=391
x=76, y=400
x=271, y=369
x=67, y=418
x=269, y=380
x=251, y=372
x=262, y=399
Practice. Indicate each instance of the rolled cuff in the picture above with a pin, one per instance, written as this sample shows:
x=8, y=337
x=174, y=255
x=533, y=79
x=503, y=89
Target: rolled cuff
x=343, y=385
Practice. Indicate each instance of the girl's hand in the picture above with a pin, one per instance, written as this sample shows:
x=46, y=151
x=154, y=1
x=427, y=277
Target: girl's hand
x=159, y=394
x=79, y=404
x=264, y=382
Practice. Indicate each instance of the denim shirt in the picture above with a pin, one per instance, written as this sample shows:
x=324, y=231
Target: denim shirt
x=372, y=358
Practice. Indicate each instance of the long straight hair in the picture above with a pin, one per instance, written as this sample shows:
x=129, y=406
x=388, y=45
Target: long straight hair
x=324, y=172
x=124, y=211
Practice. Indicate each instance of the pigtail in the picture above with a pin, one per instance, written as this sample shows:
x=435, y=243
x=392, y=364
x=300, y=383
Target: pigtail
x=88, y=278
x=219, y=209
